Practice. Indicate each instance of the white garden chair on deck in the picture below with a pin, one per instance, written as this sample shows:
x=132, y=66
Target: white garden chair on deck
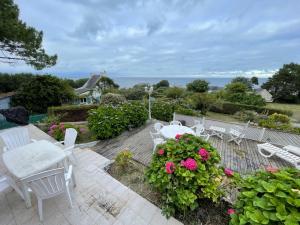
x=158, y=126
x=157, y=140
x=237, y=133
x=69, y=143
x=200, y=131
x=6, y=182
x=15, y=137
x=175, y=122
x=268, y=150
x=49, y=184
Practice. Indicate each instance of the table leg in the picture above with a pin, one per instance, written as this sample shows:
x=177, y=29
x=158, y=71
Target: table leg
x=26, y=195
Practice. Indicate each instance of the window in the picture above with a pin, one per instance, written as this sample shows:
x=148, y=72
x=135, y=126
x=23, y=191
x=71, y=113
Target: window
x=83, y=100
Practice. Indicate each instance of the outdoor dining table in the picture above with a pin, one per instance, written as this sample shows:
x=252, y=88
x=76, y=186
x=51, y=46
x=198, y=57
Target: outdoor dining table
x=31, y=159
x=170, y=131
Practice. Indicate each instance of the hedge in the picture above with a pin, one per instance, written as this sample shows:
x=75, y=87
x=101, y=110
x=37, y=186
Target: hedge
x=232, y=108
x=71, y=113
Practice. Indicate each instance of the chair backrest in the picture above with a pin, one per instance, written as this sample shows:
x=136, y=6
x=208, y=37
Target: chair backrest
x=3, y=183
x=15, y=137
x=175, y=122
x=154, y=135
x=48, y=183
x=158, y=126
x=199, y=129
x=70, y=137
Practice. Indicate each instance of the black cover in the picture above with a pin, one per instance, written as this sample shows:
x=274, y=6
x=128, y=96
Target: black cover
x=18, y=115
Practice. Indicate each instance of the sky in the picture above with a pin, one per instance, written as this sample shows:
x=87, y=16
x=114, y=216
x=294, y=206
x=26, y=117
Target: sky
x=161, y=38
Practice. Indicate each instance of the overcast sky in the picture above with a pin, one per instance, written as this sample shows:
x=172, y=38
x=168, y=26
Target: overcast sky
x=165, y=38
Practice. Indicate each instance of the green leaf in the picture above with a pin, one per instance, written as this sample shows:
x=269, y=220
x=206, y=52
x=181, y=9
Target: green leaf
x=268, y=187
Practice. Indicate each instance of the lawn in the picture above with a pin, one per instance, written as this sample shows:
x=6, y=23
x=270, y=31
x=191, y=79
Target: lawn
x=295, y=108
x=221, y=117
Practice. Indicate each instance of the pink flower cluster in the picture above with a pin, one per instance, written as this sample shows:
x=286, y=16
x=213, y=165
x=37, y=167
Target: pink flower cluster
x=160, y=152
x=178, y=136
x=204, y=154
x=272, y=169
x=55, y=126
x=228, y=172
x=189, y=163
x=230, y=211
x=170, y=167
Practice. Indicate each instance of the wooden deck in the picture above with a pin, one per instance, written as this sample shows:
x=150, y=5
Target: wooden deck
x=244, y=158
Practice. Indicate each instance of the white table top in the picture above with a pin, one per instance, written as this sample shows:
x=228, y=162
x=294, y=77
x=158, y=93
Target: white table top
x=32, y=158
x=293, y=149
x=170, y=131
x=218, y=129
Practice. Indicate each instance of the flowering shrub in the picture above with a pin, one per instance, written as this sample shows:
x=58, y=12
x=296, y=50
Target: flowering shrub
x=136, y=113
x=162, y=110
x=123, y=158
x=184, y=170
x=57, y=131
x=112, y=99
x=268, y=197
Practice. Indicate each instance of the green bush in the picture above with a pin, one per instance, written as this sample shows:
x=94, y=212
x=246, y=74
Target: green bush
x=107, y=121
x=202, y=101
x=246, y=115
x=269, y=198
x=276, y=121
x=197, y=86
x=186, y=111
x=110, y=121
x=112, y=99
x=123, y=159
x=174, y=92
x=184, y=171
x=162, y=110
x=136, y=113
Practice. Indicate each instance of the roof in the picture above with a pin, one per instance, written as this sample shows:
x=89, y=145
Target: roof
x=7, y=94
x=89, y=85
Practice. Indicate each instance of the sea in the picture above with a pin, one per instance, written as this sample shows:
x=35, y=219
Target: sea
x=126, y=82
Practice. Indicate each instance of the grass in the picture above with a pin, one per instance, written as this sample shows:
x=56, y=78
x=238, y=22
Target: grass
x=133, y=176
x=222, y=117
x=295, y=108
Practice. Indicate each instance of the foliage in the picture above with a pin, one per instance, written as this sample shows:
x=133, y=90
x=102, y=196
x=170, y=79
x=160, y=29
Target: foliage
x=285, y=84
x=110, y=121
x=174, y=92
x=112, y=99
x=162, y=110
x=254, y=80
x=276, y=121
x=57, y=130
x=197, y=86
x=123, y=159
x=76, y=83
x=202, y=101
x=20, y=41
x=162, y=83
x=135, y=93
x=40, y=92
x=107, y=83
x=244, y=80
x=268, y=198
x=185, y=111
x=185, y=171
x=11, y=82
x=247, y=115
x=238, y=92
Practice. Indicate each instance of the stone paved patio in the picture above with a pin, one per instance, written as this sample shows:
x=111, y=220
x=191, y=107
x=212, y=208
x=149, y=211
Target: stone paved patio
x=98, y=199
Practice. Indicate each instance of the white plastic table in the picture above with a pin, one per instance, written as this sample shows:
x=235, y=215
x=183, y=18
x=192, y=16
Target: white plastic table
x=292, y=149
x=170, y=131
x=31, y=159
x=217, y=131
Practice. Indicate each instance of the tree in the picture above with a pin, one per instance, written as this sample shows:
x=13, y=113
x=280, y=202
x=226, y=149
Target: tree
x=162, y=83
x=202, y=101
x=41, y=92
x=107, y=83
x=254, y=80
x=174, y=92
x=76, y=83
x=19, y=41
x=11, y=82
x=284, y=85
x=198, y=86
x=243, y=80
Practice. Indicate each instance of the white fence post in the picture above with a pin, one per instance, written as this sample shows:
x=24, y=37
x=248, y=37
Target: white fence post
x=262, y=134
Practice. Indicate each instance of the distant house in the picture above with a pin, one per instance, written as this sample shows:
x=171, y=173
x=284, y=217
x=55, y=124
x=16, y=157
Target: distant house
x=5, y=99
x=90, y=92
x=264, y=94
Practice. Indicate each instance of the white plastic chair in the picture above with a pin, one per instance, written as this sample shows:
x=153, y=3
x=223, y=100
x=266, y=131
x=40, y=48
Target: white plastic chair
x=15, y=138
x=49, y=184
x=200, y=131
x=6, y=182
x=238, y=133
x=202, y=121
x=175, y=122
x=69, y=143
x=158, y=126
x=157, y=140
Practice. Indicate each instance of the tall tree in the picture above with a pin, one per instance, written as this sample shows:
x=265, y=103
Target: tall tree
x=243, y=80
x=254, y=80
x=285, y=84
x=197, y=86
x=19, y=42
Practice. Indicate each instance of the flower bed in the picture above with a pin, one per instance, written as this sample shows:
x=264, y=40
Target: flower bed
x=184, y=171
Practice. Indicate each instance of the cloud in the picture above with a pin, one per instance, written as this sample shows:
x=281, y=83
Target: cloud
x=166, y=37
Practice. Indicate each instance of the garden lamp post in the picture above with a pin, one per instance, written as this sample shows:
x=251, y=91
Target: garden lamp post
x=149, y=90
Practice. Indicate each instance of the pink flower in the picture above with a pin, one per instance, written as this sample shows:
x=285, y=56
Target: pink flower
x=82, y=130
x=170, y=167
x=62, y=126
x=228, y=172
x=272, y=169
x=161, y=152
x=50, y=132
x=53, y=126
x=204, y=154
x=178, y=136
x=190, y=164
x=230, y=211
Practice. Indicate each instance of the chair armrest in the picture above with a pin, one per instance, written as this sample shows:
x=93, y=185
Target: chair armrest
x=69, y=148
x=68, y=175
x=33, y=140
x=59, y=142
